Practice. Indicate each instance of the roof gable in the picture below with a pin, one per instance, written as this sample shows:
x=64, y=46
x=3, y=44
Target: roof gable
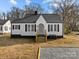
x=41, y=19
x=2, y=22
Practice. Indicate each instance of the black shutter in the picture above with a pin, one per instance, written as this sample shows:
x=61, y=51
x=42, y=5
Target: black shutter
x=35, y=27
x=54, y=27
x=58, y=27
x=48, y=28
x=13, y=27
x=26, y=27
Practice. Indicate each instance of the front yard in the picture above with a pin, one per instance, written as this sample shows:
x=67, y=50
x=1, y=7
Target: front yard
x=23, y=48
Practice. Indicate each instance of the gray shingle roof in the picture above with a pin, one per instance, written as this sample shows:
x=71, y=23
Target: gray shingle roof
x=50, y=18
x=2, y=22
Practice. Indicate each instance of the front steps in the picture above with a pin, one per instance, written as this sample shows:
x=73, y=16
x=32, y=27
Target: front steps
x=41, y=38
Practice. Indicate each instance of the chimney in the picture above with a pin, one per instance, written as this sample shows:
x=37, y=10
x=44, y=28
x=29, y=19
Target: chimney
x=36, y=12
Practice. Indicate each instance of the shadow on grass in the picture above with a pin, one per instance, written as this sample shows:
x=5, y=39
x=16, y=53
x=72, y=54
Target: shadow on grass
x=7, y=41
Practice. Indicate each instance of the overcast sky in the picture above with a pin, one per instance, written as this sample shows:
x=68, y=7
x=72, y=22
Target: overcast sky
x=5, y=5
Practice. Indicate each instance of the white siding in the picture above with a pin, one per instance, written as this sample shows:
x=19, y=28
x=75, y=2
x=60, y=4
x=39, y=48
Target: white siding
x=22, y=31
x=41, y=20
x=60, y=33
x=8, y=24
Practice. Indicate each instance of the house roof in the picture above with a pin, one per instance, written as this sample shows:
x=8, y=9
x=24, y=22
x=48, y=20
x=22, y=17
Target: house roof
x=2, y=22
x=50, y=18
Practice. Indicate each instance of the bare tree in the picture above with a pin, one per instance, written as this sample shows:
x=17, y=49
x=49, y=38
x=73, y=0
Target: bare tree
x=16, y=13
x=66, y=8
x=30, y=9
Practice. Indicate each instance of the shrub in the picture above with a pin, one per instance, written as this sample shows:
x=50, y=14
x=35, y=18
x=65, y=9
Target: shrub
x=67, y=30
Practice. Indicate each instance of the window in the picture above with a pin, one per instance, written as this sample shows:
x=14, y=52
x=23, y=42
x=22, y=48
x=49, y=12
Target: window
x=58, y=27
x=16, y=27
x=26, y=27
x=6, y=28
x=0, y=28
x=54, y=27
x=51, y=27
x=33, y=27
x=48, y=28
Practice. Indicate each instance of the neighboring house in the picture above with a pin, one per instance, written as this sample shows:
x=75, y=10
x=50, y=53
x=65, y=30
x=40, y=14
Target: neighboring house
x=5, y=27
x=52, y=24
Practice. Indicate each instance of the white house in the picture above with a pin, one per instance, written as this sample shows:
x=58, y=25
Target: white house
x=5, y=27
x=52, y=24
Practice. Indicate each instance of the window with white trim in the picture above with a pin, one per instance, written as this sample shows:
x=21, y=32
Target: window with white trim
x=51, y=27
x=33, y=28
x=48, y=28
x=16, y=27
x=28, y=27
x=6, y=28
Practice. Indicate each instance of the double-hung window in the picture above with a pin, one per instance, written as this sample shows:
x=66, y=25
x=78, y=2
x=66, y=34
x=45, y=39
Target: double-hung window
x=51, y=27
x=6, y=28
x=33, y=28
x=16, y=27
x=48, y=28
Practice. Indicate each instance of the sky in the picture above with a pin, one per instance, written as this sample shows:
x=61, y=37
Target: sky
x=5, y=5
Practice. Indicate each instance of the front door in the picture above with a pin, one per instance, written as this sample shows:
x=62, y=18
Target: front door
x=41, y=29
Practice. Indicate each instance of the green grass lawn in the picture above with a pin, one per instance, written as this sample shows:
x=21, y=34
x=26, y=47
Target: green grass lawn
x=26, y=48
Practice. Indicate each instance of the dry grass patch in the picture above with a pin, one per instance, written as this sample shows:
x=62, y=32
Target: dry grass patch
x=18, y=52
x=23, y=48
x=70, y=40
